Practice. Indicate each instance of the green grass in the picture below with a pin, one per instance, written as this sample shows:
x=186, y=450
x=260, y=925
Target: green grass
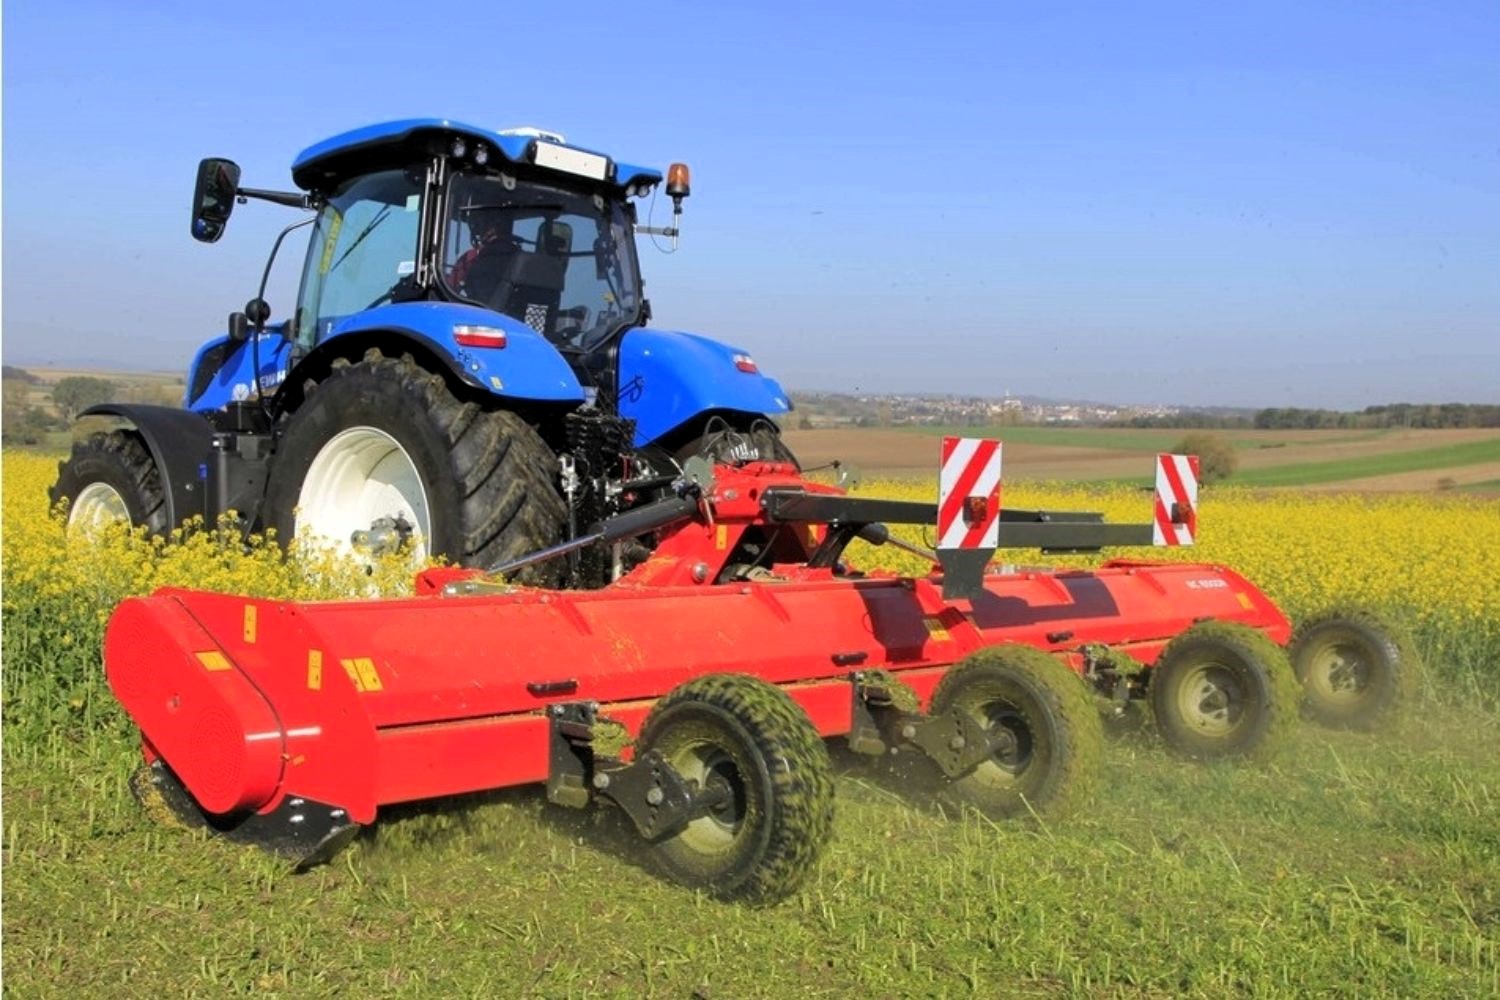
x=1307, y=473
x=1349, y=864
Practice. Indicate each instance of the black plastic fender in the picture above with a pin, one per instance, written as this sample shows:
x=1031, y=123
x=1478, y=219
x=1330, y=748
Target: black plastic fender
x=181, y=444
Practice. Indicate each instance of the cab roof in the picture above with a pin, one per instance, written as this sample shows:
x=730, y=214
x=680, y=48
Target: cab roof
x=325, y=164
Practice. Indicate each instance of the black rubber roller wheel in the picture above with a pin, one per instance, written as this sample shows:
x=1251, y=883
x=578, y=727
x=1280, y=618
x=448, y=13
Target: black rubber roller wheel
x=749, y=743
x=1355, y=669
x=384, y=448
x=1049, y=744
x=110, y=476
x=1222, y=689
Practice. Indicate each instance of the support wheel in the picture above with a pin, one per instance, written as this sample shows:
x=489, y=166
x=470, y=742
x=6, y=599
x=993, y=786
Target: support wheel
x=111, y=477
x=381, y=454
x=748, y=744
x=1355, y=669
x=1222, y=689
x=1048, y=743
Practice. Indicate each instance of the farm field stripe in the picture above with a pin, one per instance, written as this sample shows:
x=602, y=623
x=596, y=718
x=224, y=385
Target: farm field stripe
x=1369, y=466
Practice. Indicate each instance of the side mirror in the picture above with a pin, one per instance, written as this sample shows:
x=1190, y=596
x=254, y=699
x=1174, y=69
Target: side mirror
x=213, y=197
x=239, y=327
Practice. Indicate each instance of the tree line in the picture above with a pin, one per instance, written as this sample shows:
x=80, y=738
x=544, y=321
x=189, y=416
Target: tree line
x=1423, y=415
x=1280, y=418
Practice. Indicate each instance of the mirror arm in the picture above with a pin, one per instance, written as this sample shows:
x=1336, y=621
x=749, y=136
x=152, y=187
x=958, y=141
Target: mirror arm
x=265, y=276
x=292, y=199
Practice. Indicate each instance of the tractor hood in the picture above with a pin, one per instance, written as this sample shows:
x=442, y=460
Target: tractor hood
x=668, y=378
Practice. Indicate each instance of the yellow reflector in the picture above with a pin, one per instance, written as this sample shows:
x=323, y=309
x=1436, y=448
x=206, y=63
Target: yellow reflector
x=361, y=671
x=212, y=659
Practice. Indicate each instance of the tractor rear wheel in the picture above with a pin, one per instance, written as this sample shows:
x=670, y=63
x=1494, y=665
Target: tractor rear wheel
x=1354, y=668
x=1222, y=689
x=111, y=477
x=382, y=453
x=1048, y=741
x=749, y=743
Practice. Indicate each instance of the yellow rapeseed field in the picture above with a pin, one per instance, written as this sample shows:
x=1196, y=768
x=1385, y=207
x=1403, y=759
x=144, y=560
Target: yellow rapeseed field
x=1427, y=560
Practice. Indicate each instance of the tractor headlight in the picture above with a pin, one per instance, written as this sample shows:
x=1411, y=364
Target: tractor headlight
x=459, y=147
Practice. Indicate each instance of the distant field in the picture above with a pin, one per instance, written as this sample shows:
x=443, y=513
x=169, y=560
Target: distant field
x=1363, y=460
x=1375, y=461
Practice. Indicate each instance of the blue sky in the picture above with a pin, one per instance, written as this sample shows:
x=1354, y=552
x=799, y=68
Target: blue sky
x=1258, y=204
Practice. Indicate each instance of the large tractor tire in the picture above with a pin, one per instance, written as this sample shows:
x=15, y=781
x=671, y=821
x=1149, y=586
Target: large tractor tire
x=1050, y=758
x=384, y=442
x=1354, y=668
x=748, y=740
x=1222, y=689
x=109, y=477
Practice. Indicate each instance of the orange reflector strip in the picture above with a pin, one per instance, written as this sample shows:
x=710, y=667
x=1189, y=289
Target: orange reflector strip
x=315, y=670
x=213, y=660
x=250, y=623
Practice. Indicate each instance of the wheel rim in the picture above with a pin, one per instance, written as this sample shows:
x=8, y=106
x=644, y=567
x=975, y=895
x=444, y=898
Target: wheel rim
x=717, y=773
x=97, y=505
x=361, y=476
x=1212, y=699
x=1012, y=734
x=1340, y=672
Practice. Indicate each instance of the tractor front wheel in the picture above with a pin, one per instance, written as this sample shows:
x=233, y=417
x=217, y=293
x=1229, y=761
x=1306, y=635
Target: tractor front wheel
x=1221, y=689
x=111, y=477
x=1047, y=739
x=382, y=454
x=1354, y=668
x=746, y=743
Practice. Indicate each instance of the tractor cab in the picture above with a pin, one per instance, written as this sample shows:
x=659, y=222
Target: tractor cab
x=517, y=223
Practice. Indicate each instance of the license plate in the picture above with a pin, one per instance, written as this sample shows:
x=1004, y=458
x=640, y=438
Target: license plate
x=572, y=161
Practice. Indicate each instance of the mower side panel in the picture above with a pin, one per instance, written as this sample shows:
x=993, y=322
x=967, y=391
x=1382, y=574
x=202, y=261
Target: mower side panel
x=228, y=690
x=668, y=378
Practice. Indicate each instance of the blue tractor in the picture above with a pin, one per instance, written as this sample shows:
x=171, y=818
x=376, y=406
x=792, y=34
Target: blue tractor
x=470, y=370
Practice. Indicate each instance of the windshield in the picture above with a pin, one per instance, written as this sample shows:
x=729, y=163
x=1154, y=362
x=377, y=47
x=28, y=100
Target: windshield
x=560, y=261
x=362, y=250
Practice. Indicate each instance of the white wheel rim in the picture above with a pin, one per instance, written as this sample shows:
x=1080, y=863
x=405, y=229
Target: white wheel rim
x=360, y=476
x=97, y=505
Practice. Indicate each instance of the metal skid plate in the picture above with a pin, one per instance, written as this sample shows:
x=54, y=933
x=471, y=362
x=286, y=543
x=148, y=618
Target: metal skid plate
x=305, y=832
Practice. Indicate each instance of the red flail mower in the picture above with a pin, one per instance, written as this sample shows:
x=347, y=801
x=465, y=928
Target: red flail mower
x=695, y=693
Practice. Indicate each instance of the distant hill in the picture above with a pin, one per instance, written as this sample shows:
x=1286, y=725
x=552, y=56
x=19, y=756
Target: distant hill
x=13, y=374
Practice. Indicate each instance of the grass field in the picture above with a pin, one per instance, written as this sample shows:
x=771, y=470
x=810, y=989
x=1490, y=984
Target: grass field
x=1364, y=467
x=1347, y=864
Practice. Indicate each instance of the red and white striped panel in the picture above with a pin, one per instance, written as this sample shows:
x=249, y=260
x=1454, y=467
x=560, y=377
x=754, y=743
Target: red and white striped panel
x=969, y=494
x=1176, y=486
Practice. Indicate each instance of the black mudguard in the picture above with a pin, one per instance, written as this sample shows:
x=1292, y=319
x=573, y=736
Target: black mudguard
x=181, y=444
